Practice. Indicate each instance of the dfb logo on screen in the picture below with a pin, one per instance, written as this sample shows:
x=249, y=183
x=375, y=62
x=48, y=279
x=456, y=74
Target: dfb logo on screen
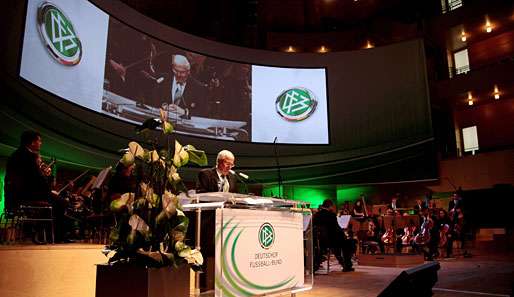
x=58, y=35
x=296, y=104
x=266, y=235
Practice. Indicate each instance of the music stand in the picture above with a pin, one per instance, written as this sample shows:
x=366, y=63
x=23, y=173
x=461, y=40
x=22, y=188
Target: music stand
x=102, y=178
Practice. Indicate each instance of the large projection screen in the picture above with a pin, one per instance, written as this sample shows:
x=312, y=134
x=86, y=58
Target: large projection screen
x=368, y=121
x=77, y=52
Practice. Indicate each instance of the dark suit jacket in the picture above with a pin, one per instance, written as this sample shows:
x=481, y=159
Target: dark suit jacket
x=327, y=230
x=24, y=180
x=194, y=98
x=208, y=181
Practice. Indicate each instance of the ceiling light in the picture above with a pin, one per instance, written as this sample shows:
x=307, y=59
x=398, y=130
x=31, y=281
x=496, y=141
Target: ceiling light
x=369, y=44
x=463, y=36
x=290, y=49
x=496, y=92
x=322, y=49
x=470, y=99
x=488, y=26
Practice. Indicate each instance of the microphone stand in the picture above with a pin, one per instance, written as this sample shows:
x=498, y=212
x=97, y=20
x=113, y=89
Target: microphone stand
x=275, y=146
x=239, y=178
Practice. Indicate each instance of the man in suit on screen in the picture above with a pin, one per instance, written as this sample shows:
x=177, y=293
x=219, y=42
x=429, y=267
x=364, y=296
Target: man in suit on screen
x=183, y=94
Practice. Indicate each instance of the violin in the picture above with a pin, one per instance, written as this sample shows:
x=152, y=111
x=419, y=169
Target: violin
x=408, y=234
x=423, y=237
x=443, y=235
x=389, y=236
x=371, y=230
x=44, y=168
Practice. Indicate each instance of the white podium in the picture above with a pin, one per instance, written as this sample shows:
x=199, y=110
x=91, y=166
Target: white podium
x=263, y=246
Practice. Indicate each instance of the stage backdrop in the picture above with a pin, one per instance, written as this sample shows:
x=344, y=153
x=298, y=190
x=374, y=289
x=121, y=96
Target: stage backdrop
x=378, y=123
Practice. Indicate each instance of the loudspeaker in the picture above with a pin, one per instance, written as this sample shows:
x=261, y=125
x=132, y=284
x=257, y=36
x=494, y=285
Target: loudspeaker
x=417, y=281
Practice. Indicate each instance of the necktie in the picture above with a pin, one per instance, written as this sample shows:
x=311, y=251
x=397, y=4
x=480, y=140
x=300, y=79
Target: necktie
x=178, y=94
x=226, y=184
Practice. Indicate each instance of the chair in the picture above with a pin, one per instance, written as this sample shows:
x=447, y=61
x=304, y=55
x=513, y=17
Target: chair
x=8, y=227
x=98, y=227
x=37, y=215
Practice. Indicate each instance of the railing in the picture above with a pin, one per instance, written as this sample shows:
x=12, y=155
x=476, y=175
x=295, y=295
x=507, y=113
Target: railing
x=452, y=71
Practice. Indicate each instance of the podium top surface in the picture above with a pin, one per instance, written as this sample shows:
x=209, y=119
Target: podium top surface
x=222, y=199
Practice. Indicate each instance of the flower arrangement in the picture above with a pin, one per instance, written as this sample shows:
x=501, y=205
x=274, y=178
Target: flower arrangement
x=150, y=224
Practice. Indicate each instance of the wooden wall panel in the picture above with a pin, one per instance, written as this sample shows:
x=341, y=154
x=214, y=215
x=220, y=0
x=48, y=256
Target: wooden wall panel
x=492, y=49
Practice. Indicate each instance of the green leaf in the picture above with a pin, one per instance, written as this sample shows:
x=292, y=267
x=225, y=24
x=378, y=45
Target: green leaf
x=167, y=128
x=196, y=156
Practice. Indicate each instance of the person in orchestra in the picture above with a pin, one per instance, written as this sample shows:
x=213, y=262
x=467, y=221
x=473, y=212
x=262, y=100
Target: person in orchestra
x=392, y=208
x=345, y=210
x=445, y=233
x=219, y=178
x=123, y=181
x=330, y=236
x=419, y=206
x=27, y=182
x=424, y=241
x=358, y=209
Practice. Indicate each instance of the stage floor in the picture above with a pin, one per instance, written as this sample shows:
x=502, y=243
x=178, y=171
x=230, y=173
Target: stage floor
x=69, y=270
x=481, y=275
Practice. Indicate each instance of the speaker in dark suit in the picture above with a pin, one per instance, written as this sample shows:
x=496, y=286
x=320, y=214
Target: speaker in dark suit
x=220, y=178
x=180, y=89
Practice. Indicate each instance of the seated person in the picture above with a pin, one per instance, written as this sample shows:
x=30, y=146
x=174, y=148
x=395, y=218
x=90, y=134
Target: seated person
x=345, y=210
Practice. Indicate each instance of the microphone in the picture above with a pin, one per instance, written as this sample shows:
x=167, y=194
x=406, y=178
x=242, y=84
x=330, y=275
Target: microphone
x=239, y=174
x=158, y=80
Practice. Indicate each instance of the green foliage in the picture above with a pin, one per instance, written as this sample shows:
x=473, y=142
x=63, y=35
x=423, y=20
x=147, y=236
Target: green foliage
x=151, y=227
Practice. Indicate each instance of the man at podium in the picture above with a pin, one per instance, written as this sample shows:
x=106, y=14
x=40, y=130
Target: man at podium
x=219, y=178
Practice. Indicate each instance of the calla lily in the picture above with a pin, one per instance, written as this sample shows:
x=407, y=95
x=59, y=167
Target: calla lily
x=173, y=176
x=127, y=159
x=125, y=200
x=169, y=202
x=192, y=256
x=181, y=157
x=137, y=223
x=136, y=149
x=154, y=156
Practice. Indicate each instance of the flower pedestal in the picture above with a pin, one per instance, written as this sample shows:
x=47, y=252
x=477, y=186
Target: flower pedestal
x=134, y=281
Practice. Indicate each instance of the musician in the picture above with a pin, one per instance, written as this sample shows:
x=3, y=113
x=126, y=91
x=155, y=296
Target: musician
x=445, y=232
x=424, y=241
x=358, y=209
x=372, y=238
x=27, y=181
x=123, y=181
x=419, y=206
x=345, y=210
x=330, y=236
x=394, y=205
x=219, y=178
x=455, y=202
